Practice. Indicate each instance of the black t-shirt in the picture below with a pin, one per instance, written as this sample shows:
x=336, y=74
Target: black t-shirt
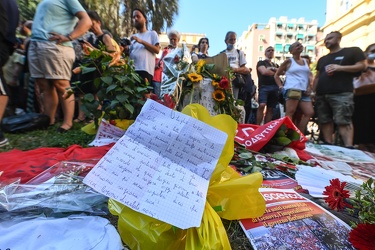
x=339, y=82
x=262, y=79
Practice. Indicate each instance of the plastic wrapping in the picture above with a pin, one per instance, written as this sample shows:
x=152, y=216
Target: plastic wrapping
x=59, y=189
x=237, y=197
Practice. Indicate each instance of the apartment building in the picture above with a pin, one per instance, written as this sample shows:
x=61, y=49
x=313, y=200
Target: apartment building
x=189, y=38
x=355, y=19
x=279, y=33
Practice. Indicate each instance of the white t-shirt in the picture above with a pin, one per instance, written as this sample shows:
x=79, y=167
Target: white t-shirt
x=297, y=76
x=235, y=60
x=143, y=59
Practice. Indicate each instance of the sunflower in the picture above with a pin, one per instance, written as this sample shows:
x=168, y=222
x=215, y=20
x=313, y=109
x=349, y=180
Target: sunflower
x=336, y=195
x=218, y=95
x=363, y=236
x=194, y=77
x=200, y=65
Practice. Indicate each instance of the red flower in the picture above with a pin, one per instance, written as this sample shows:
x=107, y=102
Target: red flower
x=363, y=237
x=336, y=195
x=176, y=59
x=224, y=83
x=154, y=97
x=113, y=122
x=168, y=101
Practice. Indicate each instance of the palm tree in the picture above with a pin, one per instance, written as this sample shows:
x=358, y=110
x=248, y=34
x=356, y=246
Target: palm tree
x=160, y=14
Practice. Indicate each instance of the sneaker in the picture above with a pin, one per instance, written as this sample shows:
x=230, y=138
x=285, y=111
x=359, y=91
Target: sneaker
x=4, y=142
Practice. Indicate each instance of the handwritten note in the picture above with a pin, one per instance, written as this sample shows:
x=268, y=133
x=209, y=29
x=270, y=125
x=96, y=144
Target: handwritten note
x=107, y=134
x=161, y=167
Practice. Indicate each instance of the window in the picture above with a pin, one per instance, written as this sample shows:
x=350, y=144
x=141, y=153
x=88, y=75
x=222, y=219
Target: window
x=286, y=48
x=261, y=48
x=260, y=58
x=278, y=47
x=261, y=37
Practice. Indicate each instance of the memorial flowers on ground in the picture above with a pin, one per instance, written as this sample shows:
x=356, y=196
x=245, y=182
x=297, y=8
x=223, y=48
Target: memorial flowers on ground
x=224, y=102
x=362, y=206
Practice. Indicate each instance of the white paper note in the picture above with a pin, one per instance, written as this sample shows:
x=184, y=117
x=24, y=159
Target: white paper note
x=161, y=167
x=107, y=134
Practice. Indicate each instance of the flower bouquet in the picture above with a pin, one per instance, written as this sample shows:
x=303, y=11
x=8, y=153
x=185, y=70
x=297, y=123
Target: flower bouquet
x=362, y=206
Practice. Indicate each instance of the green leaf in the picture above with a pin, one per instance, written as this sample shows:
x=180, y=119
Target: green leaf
x=122, y=98
x=129, y=107
x=89, y=97
x=111, y=87
x=246, y=155
x=86, y=70
x=218, y=208
x=107, y=79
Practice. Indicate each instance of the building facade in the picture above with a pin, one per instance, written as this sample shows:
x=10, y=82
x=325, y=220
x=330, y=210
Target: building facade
x=280, y=34
x=189, y=38
x=355, y=19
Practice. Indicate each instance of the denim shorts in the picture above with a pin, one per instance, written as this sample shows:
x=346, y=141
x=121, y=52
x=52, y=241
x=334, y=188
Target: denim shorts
x=269, y=94
x=304, y=98
x=335, y=107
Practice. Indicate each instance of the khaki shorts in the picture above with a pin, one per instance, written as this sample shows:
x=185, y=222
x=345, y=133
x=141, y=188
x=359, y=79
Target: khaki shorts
x=335, y=107
x=50, y=61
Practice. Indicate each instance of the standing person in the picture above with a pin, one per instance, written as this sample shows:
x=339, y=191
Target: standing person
x=268, y=90
x=297, y=81
x=364, y=103
x=51, y=54
x=334, y=88
x=202, y=46
x=102, y=39
x=144, y=47
x=9, y=18
x=236, y=58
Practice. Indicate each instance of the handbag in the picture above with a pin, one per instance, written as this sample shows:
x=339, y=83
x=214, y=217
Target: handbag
x=295, y=94
x=239, y=80
x=26, y=122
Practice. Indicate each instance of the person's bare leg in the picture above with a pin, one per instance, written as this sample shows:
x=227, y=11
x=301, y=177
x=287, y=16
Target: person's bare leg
x=290, y=108
x=50, y=99
x=260, y=113
x=327, y=130
x=346, y=133
x=307, y=112
x=67, y=104
x=3, y=105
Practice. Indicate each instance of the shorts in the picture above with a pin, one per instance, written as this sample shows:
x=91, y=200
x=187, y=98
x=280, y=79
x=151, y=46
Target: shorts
x=50, y=61
x=337, y=108
x=304, y=97
x=269, y=94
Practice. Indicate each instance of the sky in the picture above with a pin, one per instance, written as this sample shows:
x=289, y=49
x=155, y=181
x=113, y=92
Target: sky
x=216, y=17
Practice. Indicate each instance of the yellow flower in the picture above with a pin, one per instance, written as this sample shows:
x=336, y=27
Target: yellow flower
x=215, y=84
x=200, y=65
x=218, y=95
x=194, y=77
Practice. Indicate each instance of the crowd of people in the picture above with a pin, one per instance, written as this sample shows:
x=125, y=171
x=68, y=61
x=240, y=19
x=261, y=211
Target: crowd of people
x=52, y=50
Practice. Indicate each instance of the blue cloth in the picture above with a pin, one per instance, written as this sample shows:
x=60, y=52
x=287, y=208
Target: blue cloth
x=55, y=16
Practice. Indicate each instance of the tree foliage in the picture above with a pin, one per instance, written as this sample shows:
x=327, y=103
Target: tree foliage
x=116, y=15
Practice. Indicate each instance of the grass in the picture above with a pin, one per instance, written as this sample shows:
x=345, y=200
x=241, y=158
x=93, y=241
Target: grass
x=51, y=138
x=48, y=138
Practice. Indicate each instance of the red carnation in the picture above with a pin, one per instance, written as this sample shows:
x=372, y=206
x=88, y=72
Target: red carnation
x=113, y=122
x=176, y=59
x=168, y=101
x=363, y=237
x=336, y=195
x=224, y=83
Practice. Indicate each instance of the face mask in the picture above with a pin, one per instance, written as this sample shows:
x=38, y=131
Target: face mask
x=230, y=46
